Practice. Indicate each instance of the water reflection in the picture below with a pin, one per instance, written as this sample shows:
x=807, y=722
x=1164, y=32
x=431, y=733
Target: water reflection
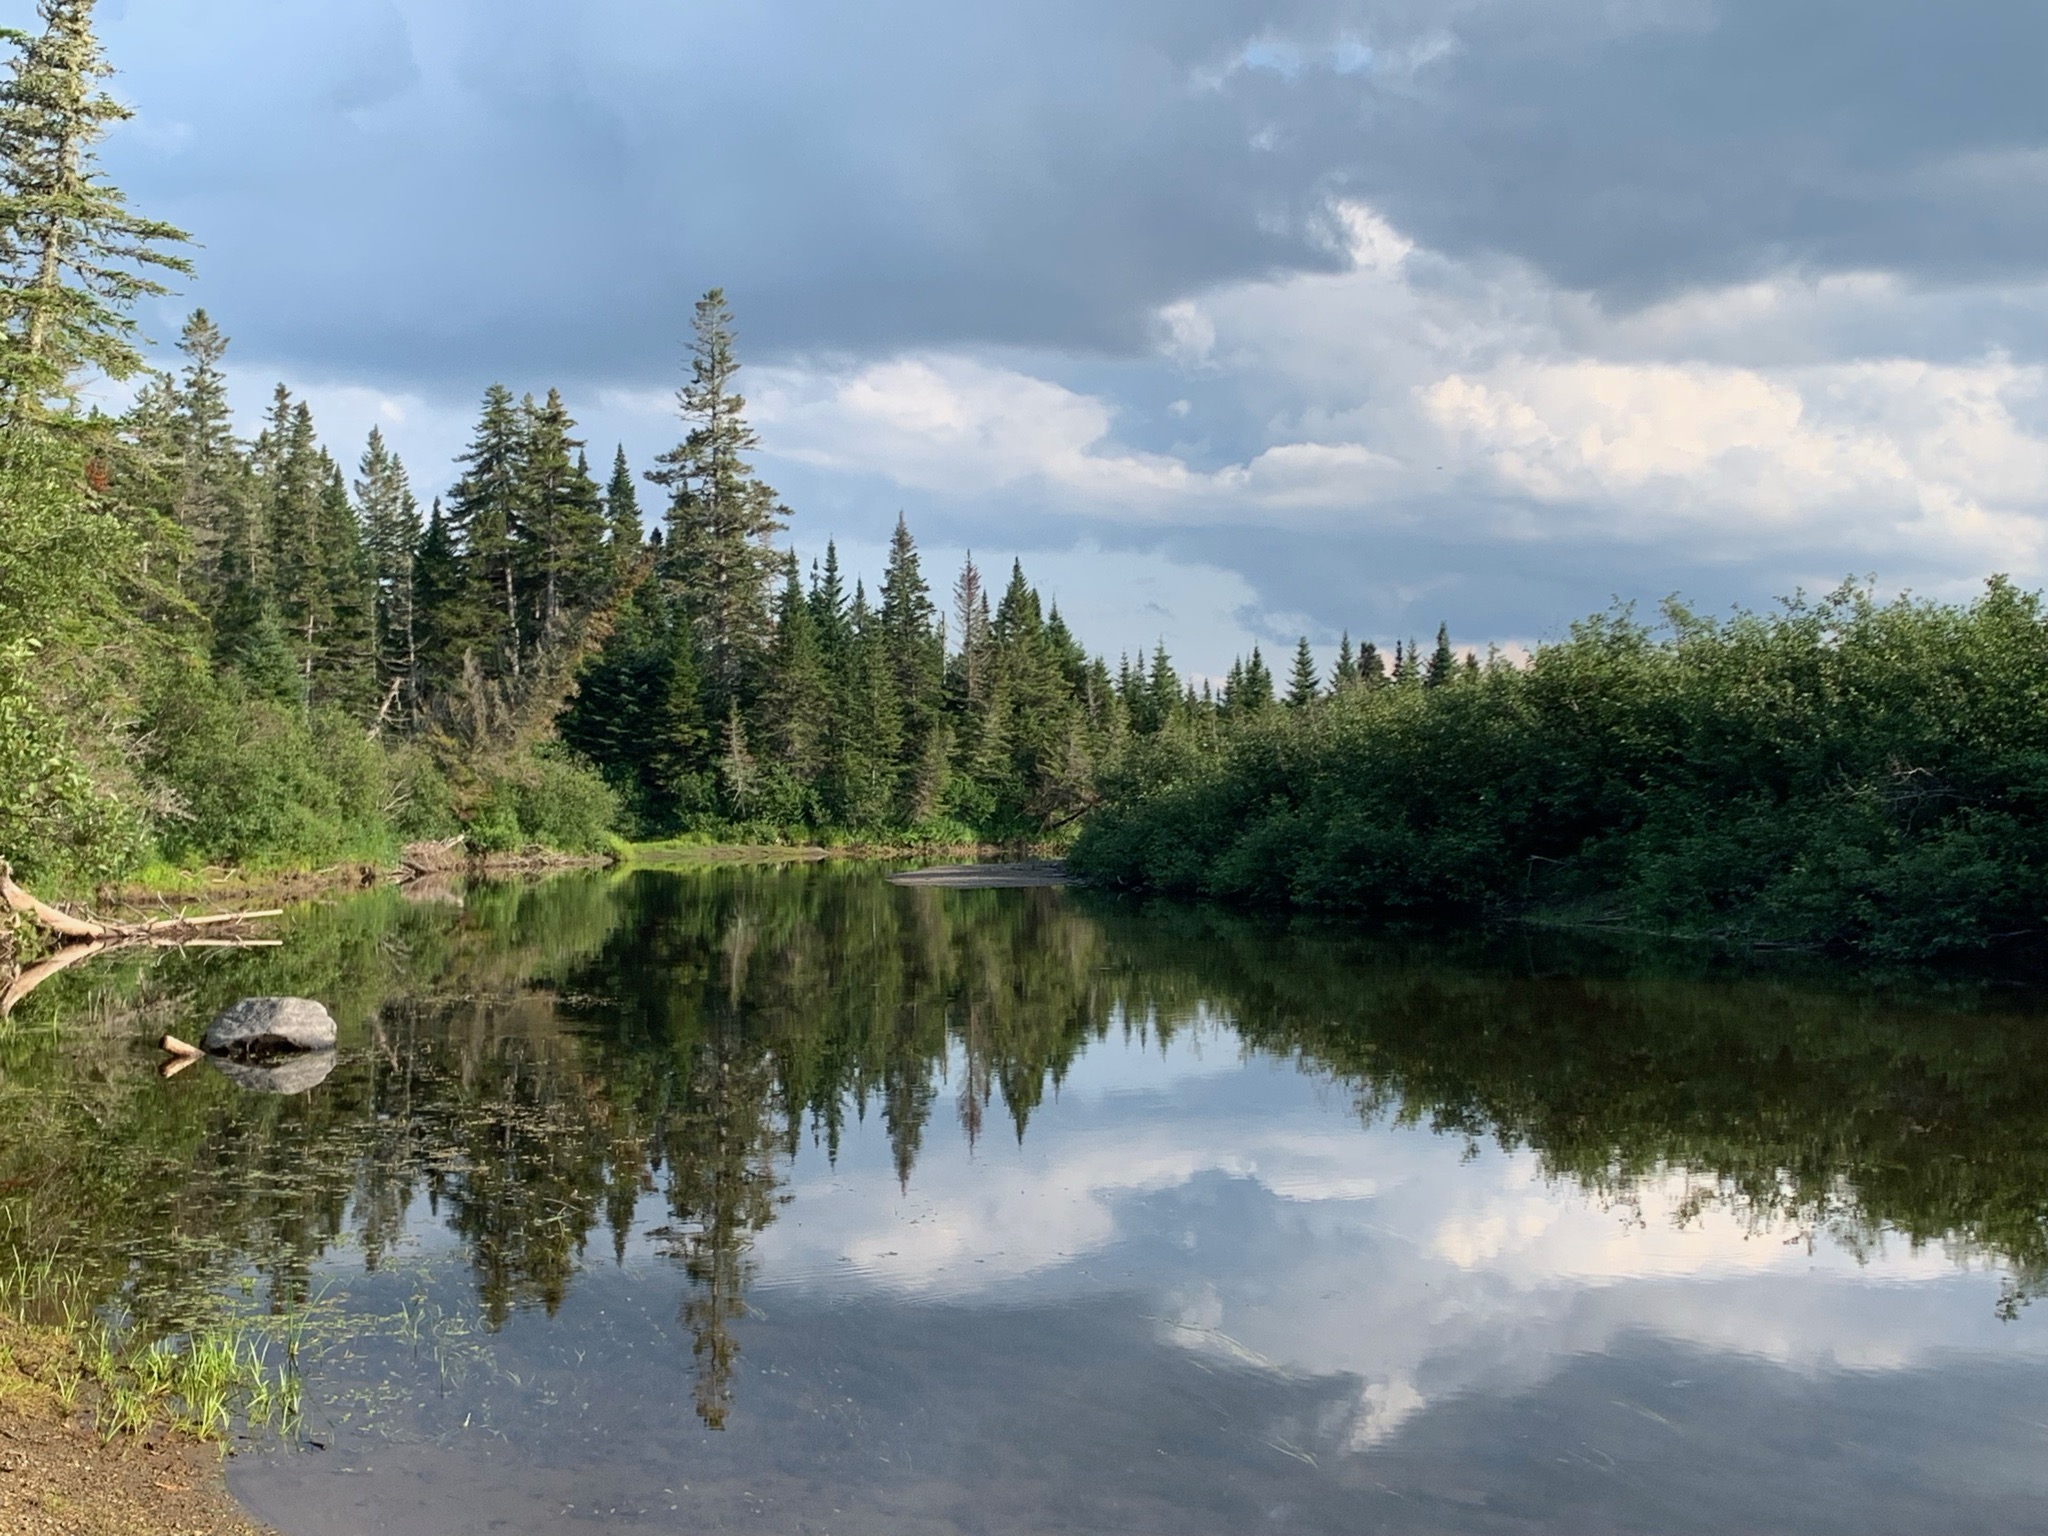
x=1103, y=1155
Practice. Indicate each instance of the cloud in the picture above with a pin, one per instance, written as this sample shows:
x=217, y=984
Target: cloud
x=1388, y=311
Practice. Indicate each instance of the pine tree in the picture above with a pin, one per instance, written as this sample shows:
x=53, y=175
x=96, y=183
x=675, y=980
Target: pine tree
x=560, y=559
x=1163, y=689
x=1303, y=686
x=721, y=516
x=213, y=495
x=867, y=737
x=344, y=671
x=797, y=706
x=1443, y=662
x=295, y=487
x=1372, y=670
x=446, y=623
x=1345, y=678
x=1258, y=682
x=73, y=258
x=484, y=520
x=828, y=602
x=912, y=638
x=970, y=613
x=622, y=513
x=391, y=535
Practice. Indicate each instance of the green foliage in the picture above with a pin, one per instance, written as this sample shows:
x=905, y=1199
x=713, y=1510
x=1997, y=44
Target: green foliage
x=1842, y=772
x=549, y=799
x=73, y=257
x=247, y=780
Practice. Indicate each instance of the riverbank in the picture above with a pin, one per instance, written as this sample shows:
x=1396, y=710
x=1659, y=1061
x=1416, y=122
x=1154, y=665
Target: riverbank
x=58, y=1477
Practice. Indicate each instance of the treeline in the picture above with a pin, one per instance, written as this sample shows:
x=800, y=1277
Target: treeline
x=219, y=650
x=1840, y=773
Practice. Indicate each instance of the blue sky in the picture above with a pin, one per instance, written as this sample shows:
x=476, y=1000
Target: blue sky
x=1234, y=321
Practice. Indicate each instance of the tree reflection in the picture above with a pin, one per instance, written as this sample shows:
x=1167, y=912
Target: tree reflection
x=599, y=1059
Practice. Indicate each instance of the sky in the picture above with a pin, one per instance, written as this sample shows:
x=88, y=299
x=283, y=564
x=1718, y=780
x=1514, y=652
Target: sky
x=1234, y=322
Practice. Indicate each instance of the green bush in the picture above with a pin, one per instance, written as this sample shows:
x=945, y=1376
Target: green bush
x=245, y=780
x=1843, y=772
x=550, y=798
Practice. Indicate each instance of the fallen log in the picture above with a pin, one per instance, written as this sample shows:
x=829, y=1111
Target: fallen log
x=70, y=926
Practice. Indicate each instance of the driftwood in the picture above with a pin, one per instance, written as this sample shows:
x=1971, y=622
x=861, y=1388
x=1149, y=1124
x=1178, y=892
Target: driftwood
x=67, y=925
x=80, y=938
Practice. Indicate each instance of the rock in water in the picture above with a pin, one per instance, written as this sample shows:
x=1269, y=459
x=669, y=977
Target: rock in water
x=270, y=1026
x=300, y=1072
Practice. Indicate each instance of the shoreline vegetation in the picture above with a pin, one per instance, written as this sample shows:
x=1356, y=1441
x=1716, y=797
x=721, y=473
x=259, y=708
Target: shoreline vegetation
x=1845, y=774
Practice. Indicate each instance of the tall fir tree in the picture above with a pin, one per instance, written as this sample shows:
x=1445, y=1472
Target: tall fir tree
x=295, y=484
x=913, y=640
x=213, y=495
x=1345, y=677
x=74, y=259
x=719, y=557
x=391, y=537
x=344, y=670
x=828, y=602
x=797, y=705
x=1443, y=662
x=971, y=626
x=1372, y=668
x=622, y=513
x=484, y=520
x=560, y=559
x=1303, y=686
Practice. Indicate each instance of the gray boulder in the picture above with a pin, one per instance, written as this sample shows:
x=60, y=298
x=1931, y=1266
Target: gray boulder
x=270, y=1026
x=288, y=1075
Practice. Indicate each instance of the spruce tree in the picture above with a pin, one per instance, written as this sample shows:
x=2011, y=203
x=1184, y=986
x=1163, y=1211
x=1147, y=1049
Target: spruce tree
x=1303, y=686
x=213, y=494
x=797, y=705
x=1163, y=690
x=722, y=517
x=484, y=520
x=622, y=513
x=972, y=625
x=828, y=598
x=446, y=623
x=73, y=258
x=1345, y=678
x=344, y=671
x=391, y=536
x=912, y=638
x=867, y=736
x=560, y=558
x=1258, y=682
x=1372, y=669
x=678, y=737
x=295, y=486
x=1443, y=661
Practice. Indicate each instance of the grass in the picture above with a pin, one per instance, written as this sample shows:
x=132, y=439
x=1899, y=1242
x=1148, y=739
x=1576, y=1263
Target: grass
x=200, y=1382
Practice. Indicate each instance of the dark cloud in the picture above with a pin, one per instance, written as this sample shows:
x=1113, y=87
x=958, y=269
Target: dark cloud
x=1840, y=134
x=436, y=193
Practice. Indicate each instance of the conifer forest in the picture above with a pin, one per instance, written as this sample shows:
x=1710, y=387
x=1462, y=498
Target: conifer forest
x=270, y=651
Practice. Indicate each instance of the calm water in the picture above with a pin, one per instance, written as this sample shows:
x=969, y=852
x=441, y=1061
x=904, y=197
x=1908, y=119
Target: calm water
x=785, y=1200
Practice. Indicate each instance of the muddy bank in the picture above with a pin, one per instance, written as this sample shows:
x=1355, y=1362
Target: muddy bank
x=58, y=1479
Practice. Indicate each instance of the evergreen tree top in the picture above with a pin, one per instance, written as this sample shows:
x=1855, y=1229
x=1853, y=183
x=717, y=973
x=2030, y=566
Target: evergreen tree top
x=73, y=258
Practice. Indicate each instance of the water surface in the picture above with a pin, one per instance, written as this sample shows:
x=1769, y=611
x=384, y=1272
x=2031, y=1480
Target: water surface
x=785, y=1200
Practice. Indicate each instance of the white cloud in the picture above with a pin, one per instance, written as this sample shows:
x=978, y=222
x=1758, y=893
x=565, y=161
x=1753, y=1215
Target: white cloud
x=1696, y=426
